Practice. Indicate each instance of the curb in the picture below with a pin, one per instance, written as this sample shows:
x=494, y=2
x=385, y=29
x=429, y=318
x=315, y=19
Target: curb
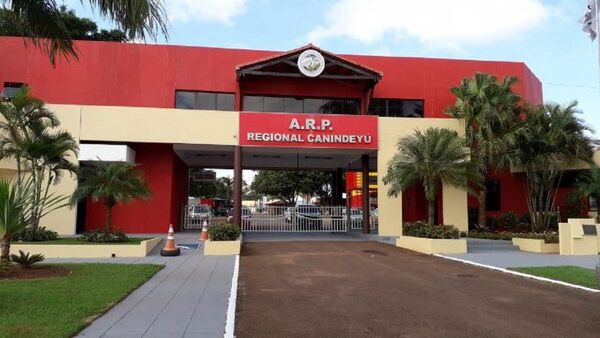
x=542, y=279
x=230, y=321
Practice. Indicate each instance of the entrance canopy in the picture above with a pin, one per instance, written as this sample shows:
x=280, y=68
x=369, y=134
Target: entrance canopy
x=210, y=156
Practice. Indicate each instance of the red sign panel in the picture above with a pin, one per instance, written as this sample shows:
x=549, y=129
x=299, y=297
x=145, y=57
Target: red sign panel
x=308, y=130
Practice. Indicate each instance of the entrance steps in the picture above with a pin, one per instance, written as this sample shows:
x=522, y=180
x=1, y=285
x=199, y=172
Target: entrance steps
x=478, y=245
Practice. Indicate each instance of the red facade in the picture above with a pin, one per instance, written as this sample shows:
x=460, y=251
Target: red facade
x=119, y=74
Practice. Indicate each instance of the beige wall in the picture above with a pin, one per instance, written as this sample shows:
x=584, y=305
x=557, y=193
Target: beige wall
x=158, y=125
x=122, y=124
x=390, y=208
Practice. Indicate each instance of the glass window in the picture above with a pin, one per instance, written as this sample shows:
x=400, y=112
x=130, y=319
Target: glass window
x=253, y=103
x=185, y=100
x=396, y=107
x=378, y=107
x=273, y=104
x=413, y=108
x=340, y=106
x=312, y=106
x=293, y=105
x=593, y=203
x=492, y=197
x=11, y=89
x=204, y=100
x=301, y=105
x=225, y=101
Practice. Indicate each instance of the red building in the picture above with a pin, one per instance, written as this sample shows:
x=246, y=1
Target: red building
x=220, y=79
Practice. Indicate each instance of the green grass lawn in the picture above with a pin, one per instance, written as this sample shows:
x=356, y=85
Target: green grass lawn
x=569, y=274
x=74, y=240
x=62, y=306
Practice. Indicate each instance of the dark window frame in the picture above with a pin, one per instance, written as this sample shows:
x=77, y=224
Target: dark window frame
x=387, y=109
x=9, y=89
x=493, y=197
x=347, y=100
x=216, y=99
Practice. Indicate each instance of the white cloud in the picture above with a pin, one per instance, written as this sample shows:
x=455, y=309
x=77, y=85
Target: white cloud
x=217, y=11
x=440, y=23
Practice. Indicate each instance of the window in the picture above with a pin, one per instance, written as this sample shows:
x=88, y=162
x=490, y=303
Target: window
x=396, y=108
x=204, y=100
x=492, y=197
x=301, y=105
x=10, y=89
x=593, y=203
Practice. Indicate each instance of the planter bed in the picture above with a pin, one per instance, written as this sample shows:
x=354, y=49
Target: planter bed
x=222, y=248
x=71, y=248
x=535, y=245
x=432, y=245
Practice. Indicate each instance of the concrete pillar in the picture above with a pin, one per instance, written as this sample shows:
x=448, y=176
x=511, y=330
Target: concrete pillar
x=455, y=206
x=341, y=182
x=237, y=186
x=365, y=194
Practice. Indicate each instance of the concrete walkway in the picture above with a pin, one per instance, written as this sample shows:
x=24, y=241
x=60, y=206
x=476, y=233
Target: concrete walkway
x=188, y=298
x=496, y=254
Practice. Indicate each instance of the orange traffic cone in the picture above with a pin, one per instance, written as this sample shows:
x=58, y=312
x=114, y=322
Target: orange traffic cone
x=170, y=249
x=204, y=233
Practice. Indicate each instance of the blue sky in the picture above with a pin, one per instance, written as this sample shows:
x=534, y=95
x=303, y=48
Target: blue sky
x=545, y=35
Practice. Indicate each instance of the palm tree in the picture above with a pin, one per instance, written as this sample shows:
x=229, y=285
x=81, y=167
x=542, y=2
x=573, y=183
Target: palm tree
x=19, y=116
x=40, y=21
x=28, y=136
x=556, y=138
x=491, y=112
x=589, y=185
x=47, y=160
x=14, y=214
x=112, y=183
x=435, y=156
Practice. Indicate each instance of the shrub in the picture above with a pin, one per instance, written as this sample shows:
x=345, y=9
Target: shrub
x=573, y=207
x=553, y=224
x=492, y=224
x=40, y=234
x=25, y=260
x=525, y=219
x=224, y=232
x=508, y=220
x=548, y=237
x=99, y=236
x=3, y=266
x=507, y=236
x=424, y=230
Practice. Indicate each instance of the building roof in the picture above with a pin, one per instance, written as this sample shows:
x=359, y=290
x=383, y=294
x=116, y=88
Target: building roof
x=284, y=64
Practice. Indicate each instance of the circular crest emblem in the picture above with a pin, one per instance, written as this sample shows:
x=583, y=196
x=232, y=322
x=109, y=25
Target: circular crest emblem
x=311, y=63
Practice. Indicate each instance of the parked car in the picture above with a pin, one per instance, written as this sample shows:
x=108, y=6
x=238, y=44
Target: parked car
x=199, y=211
x=221, y=207
x=307, y=217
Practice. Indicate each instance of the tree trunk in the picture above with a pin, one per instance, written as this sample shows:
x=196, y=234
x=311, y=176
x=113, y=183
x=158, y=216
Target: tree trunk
x=109, y=202
x=482, y=219
x=431, y=205
x=5, y=248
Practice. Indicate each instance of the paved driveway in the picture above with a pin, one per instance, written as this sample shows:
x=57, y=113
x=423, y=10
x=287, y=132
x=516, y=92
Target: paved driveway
x=352, y=289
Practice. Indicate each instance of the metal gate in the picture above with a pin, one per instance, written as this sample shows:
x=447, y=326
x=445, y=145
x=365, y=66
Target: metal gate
x=193, y=216
x=302, y=218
